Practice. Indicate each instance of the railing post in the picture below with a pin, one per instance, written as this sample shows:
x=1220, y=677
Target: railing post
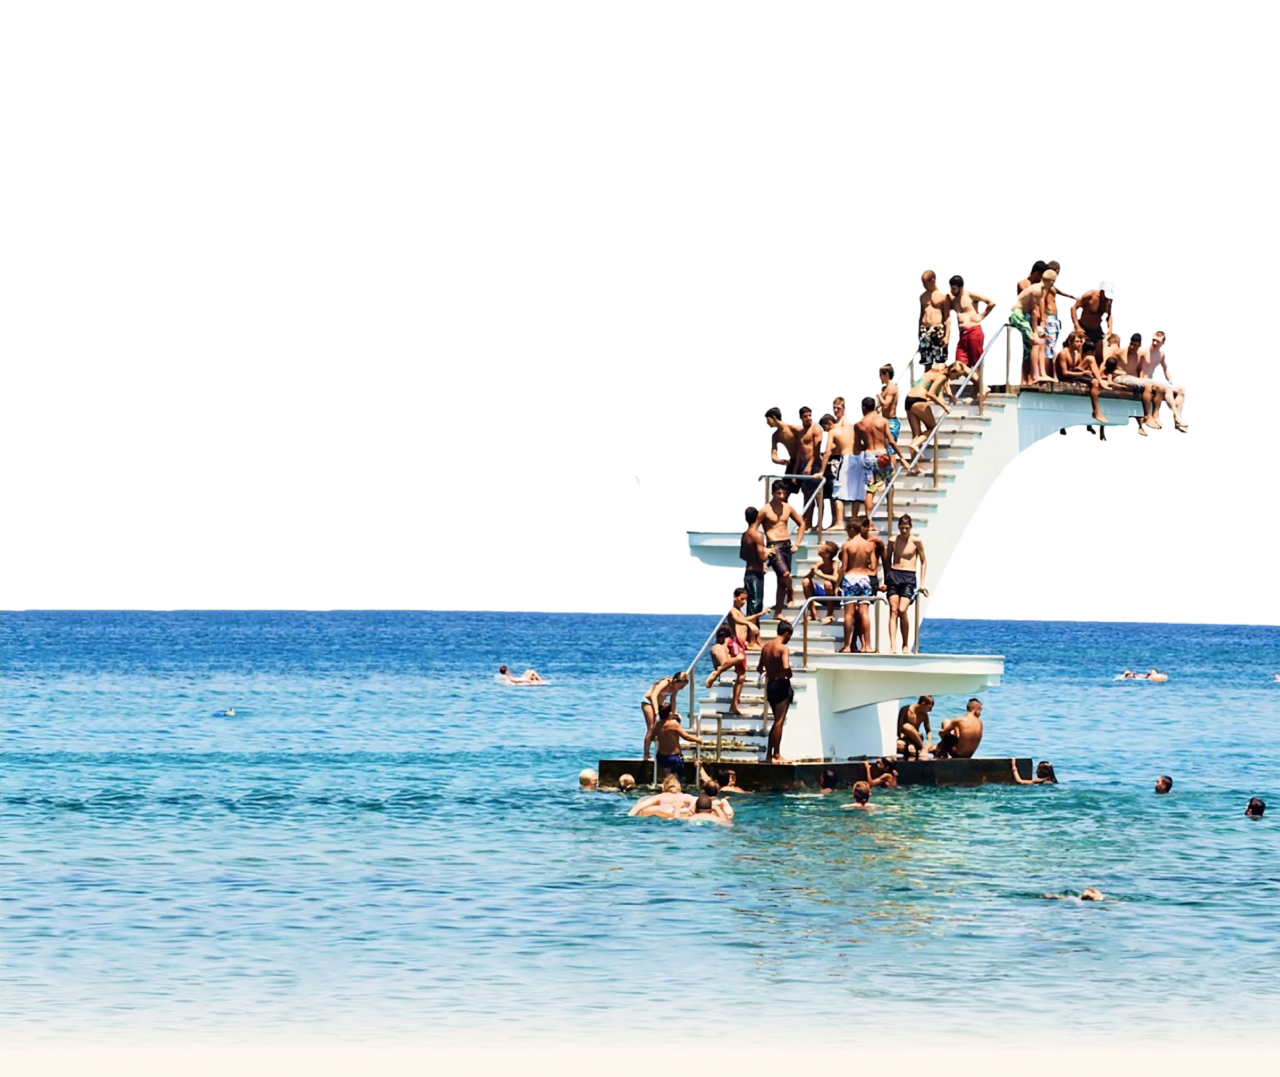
x=1008, y=349
x=719, y=735
x=804, y=628
x=937, y=438
x=697, y=748
x=916, y=640
x=875, y=612
x=981, y=383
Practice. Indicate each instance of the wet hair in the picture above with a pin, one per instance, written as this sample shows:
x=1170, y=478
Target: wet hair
x=1164, y=783
x=861, y=792
x=740, y=591
x=779, y=485
x=868, y=404
x=957, y=281
x=751, y=514
x=1039, y=267
x=828, y=780
x=905, y=516
x=711, y=787
x=956, y=370
x=671, y=784
x=1136, y=338
x=972, y=701
x=827, y=420
x=703, y=805
x=626, y=783
x=887, y=369
x=784, y=627
x=1044, y=769
x=804, y=411
x=664, y=709
x=774, y=413
x=588, y=779
x=502, y=669
x=1255, y=807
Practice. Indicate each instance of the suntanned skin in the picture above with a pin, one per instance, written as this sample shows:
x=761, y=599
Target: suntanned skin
x=822, y=470
x=826, y=572
x=1032, y=278
x=839, y=443
x=910, y=718
x=1051, y=295
x=773, y=519
x=958, y=738
x=669, y=735
x=934, y=387
x=906, y=552
x=726, y=663
x=1088, y=312
x=751, y=548
x=871, y=434
x=662, y=691
x=1070, y=366
x=810, y=458
x=1032, y=303
x=1152, y=395
x=775, y=663
x=965, y=303
x=1152, y=359
x=744, y=625
x=887, y=398
x=935, y=305
x=788, y=437
x=858, y=557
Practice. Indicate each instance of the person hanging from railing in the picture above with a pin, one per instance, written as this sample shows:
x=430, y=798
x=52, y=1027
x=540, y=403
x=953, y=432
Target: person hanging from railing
x=903, y=581
x=823, y=579
x=872, y=439
x=934, y=385
x=773, y=519
x=859, y=561
x=934, y=327
x=1027, y=317
x=969, y=322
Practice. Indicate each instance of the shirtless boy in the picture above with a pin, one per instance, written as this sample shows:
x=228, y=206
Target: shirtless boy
x=1052, y=323
x=858, y=564
x=775, y=663
x=751, y=550
x=934, y=327
x=1027, y=317
x=969, y=320
x=1174, y=395
x=1087, y=314
x=827, y=422
x=903, y=581
x=788, y=437
x=910, y=719
x=729, y=655
x=959, y=737
x=823, y=579
x=871, y=440
x=1071, y=365
x=887, y=399
x=743, y=625
x=1129, y=375
x=838, y=461
x=662, y=692
x=809, y=461
x=667, y=739
x=773, y=519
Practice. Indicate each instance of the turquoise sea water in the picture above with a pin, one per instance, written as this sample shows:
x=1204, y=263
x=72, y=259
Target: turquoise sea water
x=385, y=844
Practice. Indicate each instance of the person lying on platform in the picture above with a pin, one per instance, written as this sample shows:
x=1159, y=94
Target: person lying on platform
x=861, y=798
x=729, y=654
x=744, y=625
x=1163, y=784
x=728, y=785
x=529, y=676
x=667, y=738
x=775, y=663
x=661, y=691
x=1071, y=366
x=1044, y=774
x=823, y=579
x=711, y=788
x=671, y=803
x=910, y=718
x=959, y=737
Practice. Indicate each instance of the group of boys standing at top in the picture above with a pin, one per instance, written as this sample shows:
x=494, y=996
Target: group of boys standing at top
x=1089, y=355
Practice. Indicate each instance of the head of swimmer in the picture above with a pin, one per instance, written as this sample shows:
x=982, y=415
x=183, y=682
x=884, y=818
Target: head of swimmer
x=861, y=792
x=671, y=784
x=626, y=783
x=1044, y=770
x=1255, y=808
x=703, y=805
x=1164, y=783
x=588, y=779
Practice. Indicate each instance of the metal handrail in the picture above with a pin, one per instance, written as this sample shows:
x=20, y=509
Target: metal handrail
x=844, y=600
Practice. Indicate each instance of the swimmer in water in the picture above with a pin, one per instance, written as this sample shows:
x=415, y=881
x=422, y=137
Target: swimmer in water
x=861, y=798
x=1255, y=808
x=1164, y=783
x=1044, y=774
x=707, y=807
x=529, y=676
x=1156, y=676
x=1087, y=894
x=626, y=783
x=588, y=779
x=230, y=712
x=671, y=803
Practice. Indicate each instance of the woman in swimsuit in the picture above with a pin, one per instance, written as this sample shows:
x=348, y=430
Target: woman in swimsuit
x=934, y=384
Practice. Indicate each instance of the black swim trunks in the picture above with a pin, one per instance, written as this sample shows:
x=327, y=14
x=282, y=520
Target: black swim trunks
x=673, y=763
x=900, y=582
x=754, y=583
x=1093, y=336
x=780, y=559
x=779, y=691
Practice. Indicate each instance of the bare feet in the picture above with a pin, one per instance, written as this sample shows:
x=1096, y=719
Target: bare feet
x=1101, y=420
x=844, y=650
x=1142, y=430
x=734, y=710
x=828, y=620
x=780, y=761
x=1181, y=428
x=1154, y=423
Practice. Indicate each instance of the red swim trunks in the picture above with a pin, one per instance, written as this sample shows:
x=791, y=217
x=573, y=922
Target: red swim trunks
x=737, y=649
x=969, y=346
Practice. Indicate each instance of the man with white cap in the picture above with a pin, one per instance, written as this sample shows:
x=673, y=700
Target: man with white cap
x=1027, y=317
x=1087, y=314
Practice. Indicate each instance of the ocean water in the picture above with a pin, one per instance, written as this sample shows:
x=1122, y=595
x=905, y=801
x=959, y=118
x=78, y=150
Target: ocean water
x=384, y=844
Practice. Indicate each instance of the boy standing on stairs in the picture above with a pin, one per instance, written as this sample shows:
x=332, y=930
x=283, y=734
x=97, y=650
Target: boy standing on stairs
x=858, y=563
x=751, y=549
x=838, y=460
x=773, y=519
x=775, y=662
x=872, y=437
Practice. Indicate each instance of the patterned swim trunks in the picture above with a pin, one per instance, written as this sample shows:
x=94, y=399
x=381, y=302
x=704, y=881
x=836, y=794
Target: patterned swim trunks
x=933, y=344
